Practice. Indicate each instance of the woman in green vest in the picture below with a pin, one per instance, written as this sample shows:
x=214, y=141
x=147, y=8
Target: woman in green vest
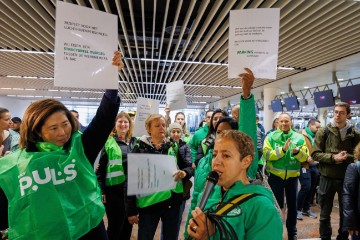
x=111, y=174
x=236, y=209
x=147, y=210
x=50, y=181
x=184, y=156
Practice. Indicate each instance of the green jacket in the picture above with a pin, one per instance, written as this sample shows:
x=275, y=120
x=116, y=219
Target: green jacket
x=257, y=217
x=284, y=164
x=201, y=172
x=323, y=151
x=187, y=138
x=247, y=124
x=199, y=135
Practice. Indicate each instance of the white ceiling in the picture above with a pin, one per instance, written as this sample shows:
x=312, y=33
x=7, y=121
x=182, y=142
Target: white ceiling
x=318, y=37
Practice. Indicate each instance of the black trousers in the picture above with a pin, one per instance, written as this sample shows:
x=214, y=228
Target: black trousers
x=4, y=221
x=115, y=211
x=326, y=192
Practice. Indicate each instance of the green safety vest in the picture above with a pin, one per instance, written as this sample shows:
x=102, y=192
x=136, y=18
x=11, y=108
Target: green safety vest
x=114, y=170
x=51, y=195
x=287, y=165
x=146, y=200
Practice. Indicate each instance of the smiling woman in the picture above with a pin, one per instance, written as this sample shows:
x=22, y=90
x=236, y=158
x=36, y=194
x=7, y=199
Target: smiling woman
x=50, y=183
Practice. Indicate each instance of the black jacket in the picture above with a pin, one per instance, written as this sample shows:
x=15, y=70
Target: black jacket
x=350, y=198
x=143, y=145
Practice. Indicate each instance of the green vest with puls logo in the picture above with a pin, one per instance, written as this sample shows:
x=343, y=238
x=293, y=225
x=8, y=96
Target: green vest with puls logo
x=51, y=195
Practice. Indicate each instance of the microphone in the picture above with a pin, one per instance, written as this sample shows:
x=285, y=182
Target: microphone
x=211, y=181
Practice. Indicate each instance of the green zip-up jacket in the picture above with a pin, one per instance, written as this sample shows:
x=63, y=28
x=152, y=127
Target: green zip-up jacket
x=199, y=135
x=284, y=164
x=256, y=218
x=247, y=124
x=248, y=120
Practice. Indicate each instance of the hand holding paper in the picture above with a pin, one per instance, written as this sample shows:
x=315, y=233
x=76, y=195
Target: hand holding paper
x=179, y=174
x=247, y=82
x=117, y=60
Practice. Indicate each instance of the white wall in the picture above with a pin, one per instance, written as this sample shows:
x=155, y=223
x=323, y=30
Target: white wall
x=15, y=106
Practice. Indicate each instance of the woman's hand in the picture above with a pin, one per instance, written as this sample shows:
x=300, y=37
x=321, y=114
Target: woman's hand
x=179, y=174
x=247, y=82
x=200, y=226
x=103, y=198
x=133, y=220
x=117, y=61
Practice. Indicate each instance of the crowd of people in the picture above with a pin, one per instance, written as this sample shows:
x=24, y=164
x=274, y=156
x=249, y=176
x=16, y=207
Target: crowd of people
x=50, y=189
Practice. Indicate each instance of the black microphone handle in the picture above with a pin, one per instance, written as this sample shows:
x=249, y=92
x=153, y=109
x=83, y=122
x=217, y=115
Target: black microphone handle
x=208, y=188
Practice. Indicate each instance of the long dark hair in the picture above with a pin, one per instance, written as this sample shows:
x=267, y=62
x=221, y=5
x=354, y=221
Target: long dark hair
x=212, y=127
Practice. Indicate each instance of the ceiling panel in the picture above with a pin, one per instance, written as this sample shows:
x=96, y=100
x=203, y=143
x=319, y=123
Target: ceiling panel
x=312, y=34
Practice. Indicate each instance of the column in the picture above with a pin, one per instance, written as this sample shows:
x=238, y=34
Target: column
x=322, y=115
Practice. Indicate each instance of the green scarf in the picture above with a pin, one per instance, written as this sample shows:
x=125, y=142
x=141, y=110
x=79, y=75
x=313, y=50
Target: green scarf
x=310, y=134
x=48, y=147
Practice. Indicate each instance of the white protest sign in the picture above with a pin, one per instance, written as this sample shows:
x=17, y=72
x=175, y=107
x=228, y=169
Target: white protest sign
x=175, y=95
x=254, y=42
x=85, y=42
x=144, y=107
x=149, y=173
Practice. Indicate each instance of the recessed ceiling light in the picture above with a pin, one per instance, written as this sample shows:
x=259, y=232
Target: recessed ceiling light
x=306, y=87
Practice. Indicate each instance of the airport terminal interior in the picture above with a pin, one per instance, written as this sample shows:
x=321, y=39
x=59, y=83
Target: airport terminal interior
x=164, y=41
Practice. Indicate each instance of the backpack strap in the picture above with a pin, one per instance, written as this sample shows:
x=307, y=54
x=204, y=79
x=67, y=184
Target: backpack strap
x=228, y=206
x=326, y=135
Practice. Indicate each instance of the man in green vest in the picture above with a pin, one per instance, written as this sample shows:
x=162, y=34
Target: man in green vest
x=284, y=150
x=199, y=135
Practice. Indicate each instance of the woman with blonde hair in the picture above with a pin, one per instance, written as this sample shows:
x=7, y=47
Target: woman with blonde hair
x=147, y=210
x=111, y=174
